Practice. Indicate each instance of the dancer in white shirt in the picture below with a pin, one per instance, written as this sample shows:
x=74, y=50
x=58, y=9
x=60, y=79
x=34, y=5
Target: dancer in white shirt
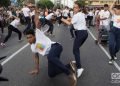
x=114, y=37
x=79, y=23
x=41, y=44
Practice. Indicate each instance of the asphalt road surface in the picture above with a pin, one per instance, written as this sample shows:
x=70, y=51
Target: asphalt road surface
x=94, y=59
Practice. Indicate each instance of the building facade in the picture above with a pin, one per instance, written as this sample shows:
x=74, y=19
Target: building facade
x=100, y=2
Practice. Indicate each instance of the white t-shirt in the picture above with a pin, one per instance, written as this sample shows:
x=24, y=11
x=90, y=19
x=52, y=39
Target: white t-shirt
x=49, y=16
x=58, y=13
x=32, y=13
x=96, y=12
x=71, y=14
x=104, y=14
x=116, y=21
x=65, y=13
x=90, y=13
x=26, y=11
x=79, y=22
x=15, y=23
x=42, y=44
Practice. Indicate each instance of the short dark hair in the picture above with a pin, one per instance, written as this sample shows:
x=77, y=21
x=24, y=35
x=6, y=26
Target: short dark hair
x=77, y=3
x=106, y=5
x=30, y=31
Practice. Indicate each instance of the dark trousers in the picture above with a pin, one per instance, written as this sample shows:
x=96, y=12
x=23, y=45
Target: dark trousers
x=10, y=29
x=81, y=36
x=55, y=66
x=72, y=31
x=1, y=68
x=59, y=20
x=51, y=27
x=90, y=18
x=114, y=41
x=33, y=22
x=2, y=26
x=28, y=26
x=111, y=24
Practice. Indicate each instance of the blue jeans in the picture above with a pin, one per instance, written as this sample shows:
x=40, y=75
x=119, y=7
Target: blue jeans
x=55, y=66
x=81, y=36
x=114, y=41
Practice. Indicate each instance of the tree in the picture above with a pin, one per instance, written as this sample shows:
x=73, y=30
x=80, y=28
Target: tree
x=45, y=4
x=5, y=3
x=82, y=2
x=20, y=2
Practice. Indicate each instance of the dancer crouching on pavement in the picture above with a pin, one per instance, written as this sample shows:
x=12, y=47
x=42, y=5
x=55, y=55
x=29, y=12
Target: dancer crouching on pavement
x=79, y=23
x=41, y=44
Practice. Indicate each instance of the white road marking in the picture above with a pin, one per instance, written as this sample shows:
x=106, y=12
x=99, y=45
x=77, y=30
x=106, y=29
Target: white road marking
x=105, y=51
x=10, y=57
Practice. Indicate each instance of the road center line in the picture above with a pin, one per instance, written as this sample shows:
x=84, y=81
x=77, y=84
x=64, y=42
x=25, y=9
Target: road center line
x=105, y=51
x=14, y=54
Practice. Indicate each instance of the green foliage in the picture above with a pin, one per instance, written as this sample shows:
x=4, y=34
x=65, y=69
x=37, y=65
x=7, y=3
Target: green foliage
x=5, y=3
x=20, y=2
x=45, y=3
x=82, y=2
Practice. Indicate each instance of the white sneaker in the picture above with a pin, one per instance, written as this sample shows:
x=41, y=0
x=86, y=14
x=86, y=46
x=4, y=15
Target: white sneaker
x=3, y=44
x=79, y=72
x=111, y=61
x=115, y=58
x=73, y=61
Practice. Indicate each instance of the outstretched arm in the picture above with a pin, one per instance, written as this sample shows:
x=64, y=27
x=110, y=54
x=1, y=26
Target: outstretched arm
x=111, y=7
x=66, y=21
x=36, y=19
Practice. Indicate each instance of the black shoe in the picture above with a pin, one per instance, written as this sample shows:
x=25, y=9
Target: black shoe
x=3, y=79
x=2, y=57
x=96, y=41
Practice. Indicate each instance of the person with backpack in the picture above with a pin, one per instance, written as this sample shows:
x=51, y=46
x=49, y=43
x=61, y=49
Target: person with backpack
x=104, y=18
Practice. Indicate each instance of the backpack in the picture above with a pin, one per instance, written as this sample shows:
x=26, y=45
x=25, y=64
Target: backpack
x=103, y=34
